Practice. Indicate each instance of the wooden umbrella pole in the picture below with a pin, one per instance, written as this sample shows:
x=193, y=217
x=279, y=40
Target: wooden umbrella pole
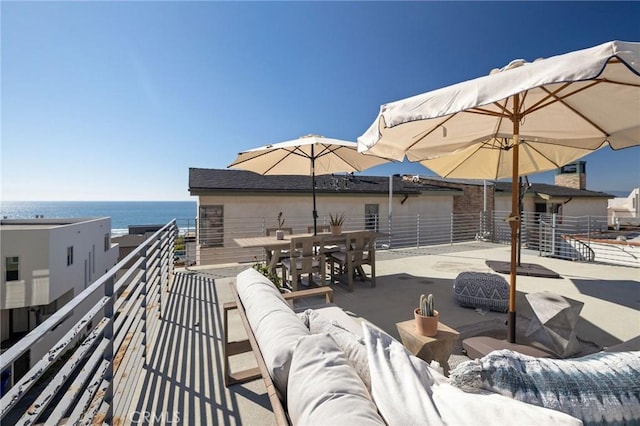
x=514, y=221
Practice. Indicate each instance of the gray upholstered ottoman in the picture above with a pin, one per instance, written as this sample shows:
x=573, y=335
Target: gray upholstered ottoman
x=482, y=290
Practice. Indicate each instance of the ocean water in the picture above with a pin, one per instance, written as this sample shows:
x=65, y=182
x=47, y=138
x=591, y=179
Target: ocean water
x=122, y=213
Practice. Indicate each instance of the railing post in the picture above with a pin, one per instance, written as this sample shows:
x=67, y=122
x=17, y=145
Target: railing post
x=108, y=353
x=451, y=229
x=263, y=225
x=554, y=223
x=589, y=231
x=145, y=293
x=540, y=237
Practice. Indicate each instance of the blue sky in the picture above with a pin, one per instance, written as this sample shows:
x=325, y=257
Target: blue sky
x=116, y=100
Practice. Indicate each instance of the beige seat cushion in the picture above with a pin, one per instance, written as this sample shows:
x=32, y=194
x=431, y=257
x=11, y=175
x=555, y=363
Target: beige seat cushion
x=324, y=389
x=276, y=327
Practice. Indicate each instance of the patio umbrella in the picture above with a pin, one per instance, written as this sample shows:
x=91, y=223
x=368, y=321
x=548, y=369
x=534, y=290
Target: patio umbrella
x=563, y=107
x=308, y=155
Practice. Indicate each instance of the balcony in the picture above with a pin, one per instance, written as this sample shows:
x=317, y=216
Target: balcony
x=151, y=350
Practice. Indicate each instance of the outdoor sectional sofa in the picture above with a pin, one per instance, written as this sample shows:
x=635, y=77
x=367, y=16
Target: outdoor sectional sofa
x=321, y=366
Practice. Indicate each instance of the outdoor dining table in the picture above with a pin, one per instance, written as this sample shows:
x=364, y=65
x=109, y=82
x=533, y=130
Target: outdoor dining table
x=273, y=247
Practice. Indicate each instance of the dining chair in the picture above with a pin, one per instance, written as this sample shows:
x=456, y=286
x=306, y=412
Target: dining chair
x=324, y=229
x=306, y=257
x=283, y=253
x=360, y=249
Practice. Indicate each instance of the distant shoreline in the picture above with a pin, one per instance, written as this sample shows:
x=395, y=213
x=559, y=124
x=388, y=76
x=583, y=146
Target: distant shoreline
x=122, y=213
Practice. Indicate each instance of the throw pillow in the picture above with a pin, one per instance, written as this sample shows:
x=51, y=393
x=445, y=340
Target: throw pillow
x=407, y=391
x=323, y=389
x=602, y=388
x=352, y=346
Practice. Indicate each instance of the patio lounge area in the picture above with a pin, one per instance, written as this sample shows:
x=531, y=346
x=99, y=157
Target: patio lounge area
x=179, y=375
x=187, y=381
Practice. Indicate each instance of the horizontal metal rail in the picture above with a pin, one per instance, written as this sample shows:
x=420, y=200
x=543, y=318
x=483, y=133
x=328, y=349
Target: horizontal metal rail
x=79, y=375
x=538, y=232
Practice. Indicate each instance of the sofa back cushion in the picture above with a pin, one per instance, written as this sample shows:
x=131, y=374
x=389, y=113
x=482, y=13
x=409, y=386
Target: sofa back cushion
x=275, y=326
x=602, y=388
x=324, y=389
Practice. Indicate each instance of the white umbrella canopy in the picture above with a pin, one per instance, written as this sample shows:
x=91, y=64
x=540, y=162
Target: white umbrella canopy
x=308, y=155
x=582, y=99
x=565, y=106
x=486, y=160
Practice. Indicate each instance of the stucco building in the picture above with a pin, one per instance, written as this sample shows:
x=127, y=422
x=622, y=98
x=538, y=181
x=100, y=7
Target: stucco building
x=625, y=211
x=45, y=264
x=235, y=203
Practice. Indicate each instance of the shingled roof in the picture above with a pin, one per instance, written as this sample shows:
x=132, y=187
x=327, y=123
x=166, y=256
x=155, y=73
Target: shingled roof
x=225, y=180
x=554, y=190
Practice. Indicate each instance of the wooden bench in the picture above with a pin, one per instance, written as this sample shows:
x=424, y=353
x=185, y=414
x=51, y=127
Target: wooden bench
x=251, y=345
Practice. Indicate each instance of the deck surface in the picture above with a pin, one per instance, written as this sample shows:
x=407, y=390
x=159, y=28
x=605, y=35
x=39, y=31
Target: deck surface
x=182, y=380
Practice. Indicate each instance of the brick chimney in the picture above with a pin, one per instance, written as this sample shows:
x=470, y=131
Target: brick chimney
x=572, y=175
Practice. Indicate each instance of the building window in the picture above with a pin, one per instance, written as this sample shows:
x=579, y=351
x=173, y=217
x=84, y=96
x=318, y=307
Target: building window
x=12, y=268
x=107, y=242
x=371, y=216
x=69, y=255
x=211, y=226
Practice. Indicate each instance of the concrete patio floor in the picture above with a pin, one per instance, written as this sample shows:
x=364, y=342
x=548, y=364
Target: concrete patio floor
x=611, y=314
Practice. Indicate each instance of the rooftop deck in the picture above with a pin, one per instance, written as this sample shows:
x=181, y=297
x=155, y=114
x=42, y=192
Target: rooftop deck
x=181, y=381
x=184, y=374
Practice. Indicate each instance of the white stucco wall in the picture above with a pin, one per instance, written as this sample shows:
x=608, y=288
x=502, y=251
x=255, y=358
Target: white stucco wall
x=625, y=210
x=45, y=275
x=31, y=246
x=297, y=208
x=247, y=215
x=586, y=206
x=42, y=252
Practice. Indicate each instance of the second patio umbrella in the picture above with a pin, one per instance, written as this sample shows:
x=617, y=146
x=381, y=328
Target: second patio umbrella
x=565, y=106
x=308, y=155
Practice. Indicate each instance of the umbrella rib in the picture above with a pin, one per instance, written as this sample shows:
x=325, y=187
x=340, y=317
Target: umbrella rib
x=459, y=164
x=298, y=151
x=273, y=166
x=327, y=150
x=576, y=112
x=258, y=156
x=332, y=149
x=427, y=133
x=552, y=97
x=533, y=148
x=482, y=111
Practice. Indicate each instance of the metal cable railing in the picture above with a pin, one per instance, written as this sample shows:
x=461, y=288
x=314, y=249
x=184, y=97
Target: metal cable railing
x=538, y=232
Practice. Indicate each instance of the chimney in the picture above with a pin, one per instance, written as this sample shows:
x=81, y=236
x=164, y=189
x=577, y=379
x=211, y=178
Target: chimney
x=572, y=175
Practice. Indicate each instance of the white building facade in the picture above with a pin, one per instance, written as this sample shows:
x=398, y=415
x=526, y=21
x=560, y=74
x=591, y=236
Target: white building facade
x=237, y=204
x=44, y=264
x=625, y=211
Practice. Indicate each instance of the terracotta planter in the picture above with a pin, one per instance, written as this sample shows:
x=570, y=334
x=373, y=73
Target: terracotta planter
x=426, y=326
x=279, y=234
x=336, y=229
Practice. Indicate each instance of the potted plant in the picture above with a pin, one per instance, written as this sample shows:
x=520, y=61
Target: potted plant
x=335, y=222
x=426, y=316
x=272, y=275
x=280, y=231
